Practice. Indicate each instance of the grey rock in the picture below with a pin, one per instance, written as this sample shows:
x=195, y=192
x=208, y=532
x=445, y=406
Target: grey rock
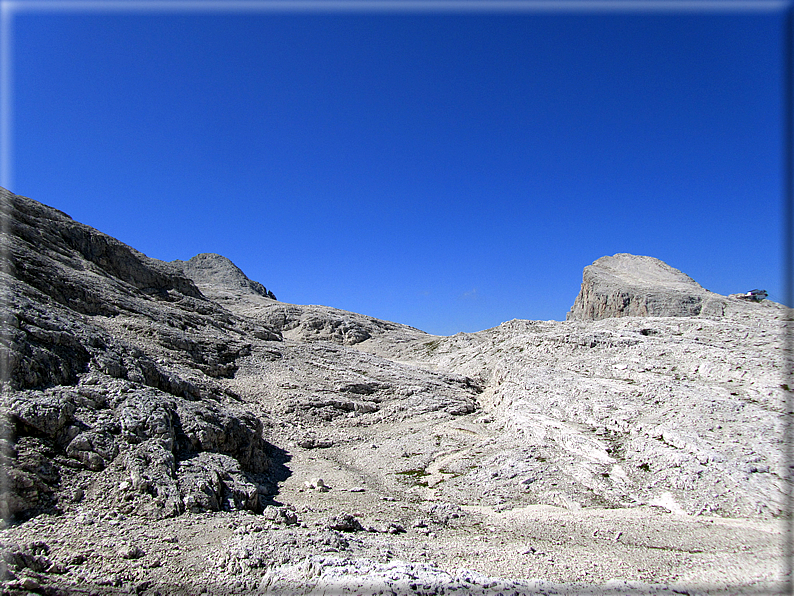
x=151, y=469
x=344, y=522
x=66, y=282
x=395, y=528
x=213, y=270
x=312, y=442
x=130, y=552
x=317, y=484
x=94, y=449
x=213, y=481
x=76, y=245
x=109, y=353
x=32, y=556
x=145, y=416
x=28, y=583
x=28, y=477
x=208, y=426
x=280, y=515
x=443, y=513
x=626, y=285
x=318, y=323
x=45, y=414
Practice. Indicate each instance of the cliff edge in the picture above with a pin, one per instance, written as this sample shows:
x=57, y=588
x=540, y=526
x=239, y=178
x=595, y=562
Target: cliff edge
x=626, y=285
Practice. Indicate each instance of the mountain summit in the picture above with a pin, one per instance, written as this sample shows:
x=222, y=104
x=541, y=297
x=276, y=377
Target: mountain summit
x=626, y=285
x=216, y=275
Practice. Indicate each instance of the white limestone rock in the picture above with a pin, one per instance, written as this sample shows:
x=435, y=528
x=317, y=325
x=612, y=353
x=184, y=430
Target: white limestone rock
x=627, y=285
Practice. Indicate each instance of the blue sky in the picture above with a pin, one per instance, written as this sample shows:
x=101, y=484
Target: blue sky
x=445, y=170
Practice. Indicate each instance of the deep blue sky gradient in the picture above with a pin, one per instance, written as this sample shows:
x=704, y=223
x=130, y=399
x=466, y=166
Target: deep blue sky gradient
x=445, y=171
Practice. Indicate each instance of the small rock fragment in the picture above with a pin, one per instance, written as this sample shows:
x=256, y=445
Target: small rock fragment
x=317, y=484
x=395, y=528
x=28, y=583
x=279, y=515
x=344, y=522
x=130, y=552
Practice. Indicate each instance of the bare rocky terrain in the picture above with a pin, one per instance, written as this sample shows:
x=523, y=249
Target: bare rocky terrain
x=172, y=428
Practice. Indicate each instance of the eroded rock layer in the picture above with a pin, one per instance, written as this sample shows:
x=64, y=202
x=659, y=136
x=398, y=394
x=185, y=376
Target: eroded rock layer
x=111, y=360
x=627, y=285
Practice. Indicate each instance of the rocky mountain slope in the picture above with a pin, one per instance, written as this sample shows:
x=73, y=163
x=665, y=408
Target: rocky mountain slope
x=172, y=428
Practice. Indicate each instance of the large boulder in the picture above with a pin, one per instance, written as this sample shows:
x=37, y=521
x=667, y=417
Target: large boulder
x=160, y=447
x=626, y=285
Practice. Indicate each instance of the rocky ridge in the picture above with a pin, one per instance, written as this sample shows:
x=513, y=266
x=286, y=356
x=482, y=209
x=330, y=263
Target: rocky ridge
x=104, y=368
x=172, y=428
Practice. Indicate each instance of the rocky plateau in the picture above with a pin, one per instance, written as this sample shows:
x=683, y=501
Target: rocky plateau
x=172, y=428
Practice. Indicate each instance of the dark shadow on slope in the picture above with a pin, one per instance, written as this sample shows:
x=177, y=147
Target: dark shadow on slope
x=278, y=473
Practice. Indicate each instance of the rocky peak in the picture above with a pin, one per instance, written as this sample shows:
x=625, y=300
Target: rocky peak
x=79, y=266
x=626, y=285
x=214, y=273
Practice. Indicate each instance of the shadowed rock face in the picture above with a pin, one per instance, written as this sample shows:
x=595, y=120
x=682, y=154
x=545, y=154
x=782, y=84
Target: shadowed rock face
x=78, y=266
x=626, y=285
x=110, y=358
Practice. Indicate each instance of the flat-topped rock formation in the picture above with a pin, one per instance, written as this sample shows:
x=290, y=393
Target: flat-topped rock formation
x=626, y=285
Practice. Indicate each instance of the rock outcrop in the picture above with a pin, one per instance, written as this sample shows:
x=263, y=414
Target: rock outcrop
x=217, y=274
x=110, y=364
x=627, y=285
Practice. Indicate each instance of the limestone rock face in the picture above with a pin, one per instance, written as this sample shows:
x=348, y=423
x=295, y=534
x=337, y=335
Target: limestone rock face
x=78, y=266
x=110, y=363
x=215, y=272
x=626, y=285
